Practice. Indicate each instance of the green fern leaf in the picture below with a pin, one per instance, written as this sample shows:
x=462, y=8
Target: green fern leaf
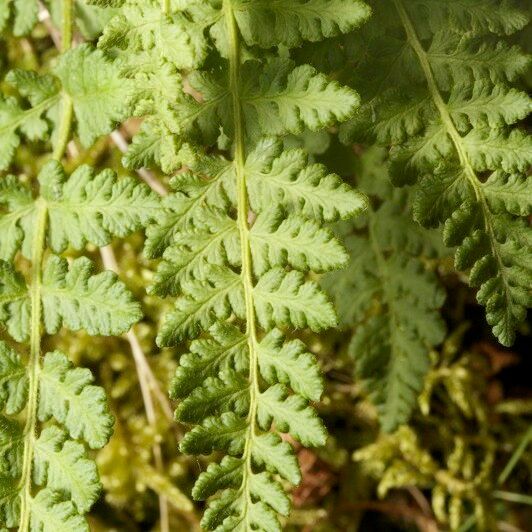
x=294, y=21
x=458, y=58
x=9, y=501
x=42, y=92
x=172, y=38
x=50, y=513
x=277, y=240
x=289, y=363
x=511, y=193
x=277, y=456
x=11, y=446
x=286, y=178
x=224, y=433
x=217, y=395
x=459, y=84
x=66, y=393
x=285, y=299
x=99, y=95
x=185, y=208
x=85, y=208
x=203, y=303
x=479, y=17
x=75, y=298
x=238, y=237
x=14, y=302
x=212, y=241
x=290, y=414
x=280, y=98
x=389, y=300
x=62, y=465
x=487, y=106
x=490, y=150
x=13, y=381
x=226, y=474
x=93, y=208
x=226, y=348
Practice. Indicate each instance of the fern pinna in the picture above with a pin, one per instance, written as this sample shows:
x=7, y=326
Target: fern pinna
x=388, y=295
x=242, y=229
x=435, y=77
x=51, y=411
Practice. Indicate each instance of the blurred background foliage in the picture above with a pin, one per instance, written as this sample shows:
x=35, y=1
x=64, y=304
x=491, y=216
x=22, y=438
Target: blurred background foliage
x=464, y=460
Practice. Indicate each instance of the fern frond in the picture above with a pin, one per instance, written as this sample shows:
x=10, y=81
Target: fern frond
x=47, y=479
x=68, y=395
x=285, y=178
x=389, y=299
x=488, y=16
x=61, y=466
x=239, y=234
x=285, y=299
x=102, y=303
x=456, y=59
x=457, y=124
x=168, y=38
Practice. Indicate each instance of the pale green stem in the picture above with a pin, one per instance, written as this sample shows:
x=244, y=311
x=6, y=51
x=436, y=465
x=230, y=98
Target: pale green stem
x=67, y=8
x=165, y=6
x=33, y=364
x=516, y=456
x=243, y=228
x=65, y=122
x=519, y=498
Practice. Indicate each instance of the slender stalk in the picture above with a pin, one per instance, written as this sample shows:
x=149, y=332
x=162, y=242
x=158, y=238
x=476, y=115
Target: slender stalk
x=34, y=367
x=121, y=143
x=65, y=123
x=243, y=229
x=519, y=498
x=516, y=456
x=165, y=6
x=67, y=8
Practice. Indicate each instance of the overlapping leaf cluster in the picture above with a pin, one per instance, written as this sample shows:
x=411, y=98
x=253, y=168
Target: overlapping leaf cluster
x=51, y=410
x=436, y=80
x=241, y=229
x=388, y=296
x=82, y=76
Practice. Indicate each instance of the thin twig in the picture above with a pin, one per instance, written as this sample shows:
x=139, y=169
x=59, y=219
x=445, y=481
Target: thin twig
x=145, y=375
x=147, y=176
